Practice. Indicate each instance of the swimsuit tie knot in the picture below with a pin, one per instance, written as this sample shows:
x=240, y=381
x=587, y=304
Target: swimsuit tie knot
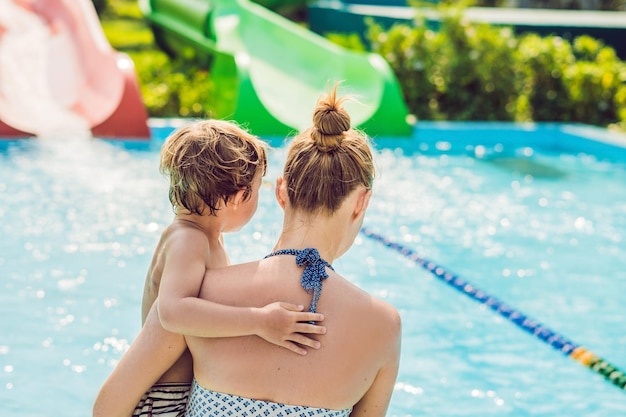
x=307, y=256
x=314, y=270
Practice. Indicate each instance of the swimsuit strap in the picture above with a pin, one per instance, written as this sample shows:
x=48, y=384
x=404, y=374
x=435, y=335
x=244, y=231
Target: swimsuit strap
x=314, y=270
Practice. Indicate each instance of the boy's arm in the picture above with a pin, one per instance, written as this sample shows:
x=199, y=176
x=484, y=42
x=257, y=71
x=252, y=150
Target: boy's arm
x=152, y=353
x=181, y=311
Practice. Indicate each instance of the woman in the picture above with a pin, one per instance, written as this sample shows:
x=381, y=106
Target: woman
x=324, y=192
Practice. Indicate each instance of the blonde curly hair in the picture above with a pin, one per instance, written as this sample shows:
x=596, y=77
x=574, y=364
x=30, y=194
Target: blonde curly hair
x=208, y=162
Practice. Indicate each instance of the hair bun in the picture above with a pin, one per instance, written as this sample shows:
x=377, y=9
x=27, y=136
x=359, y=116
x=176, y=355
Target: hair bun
x=330, y=121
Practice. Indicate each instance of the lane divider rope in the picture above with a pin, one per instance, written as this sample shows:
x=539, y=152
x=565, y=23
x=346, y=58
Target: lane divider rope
x=582, y=355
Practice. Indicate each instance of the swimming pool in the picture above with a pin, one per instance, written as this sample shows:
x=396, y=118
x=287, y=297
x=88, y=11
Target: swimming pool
x=534, y=215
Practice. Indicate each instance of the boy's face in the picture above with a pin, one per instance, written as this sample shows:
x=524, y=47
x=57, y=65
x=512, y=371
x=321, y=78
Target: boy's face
x=247, y=208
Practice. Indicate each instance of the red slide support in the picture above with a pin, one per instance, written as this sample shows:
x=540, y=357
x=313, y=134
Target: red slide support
x=58, y=73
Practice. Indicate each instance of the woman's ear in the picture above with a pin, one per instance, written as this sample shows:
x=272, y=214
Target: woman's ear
x=362, y=202
x=281, y=192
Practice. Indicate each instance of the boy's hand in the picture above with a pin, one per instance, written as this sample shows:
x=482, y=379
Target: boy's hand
x=287, y=325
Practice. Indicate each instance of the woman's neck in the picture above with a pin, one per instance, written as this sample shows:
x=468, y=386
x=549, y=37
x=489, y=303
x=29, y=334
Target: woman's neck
x=322, y=232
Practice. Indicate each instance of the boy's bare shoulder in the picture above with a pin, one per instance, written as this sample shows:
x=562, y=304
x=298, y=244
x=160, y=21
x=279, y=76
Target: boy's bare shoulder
x=186, y=231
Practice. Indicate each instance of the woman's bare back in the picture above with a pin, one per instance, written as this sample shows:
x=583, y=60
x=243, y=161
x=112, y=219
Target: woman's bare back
x=362, y=339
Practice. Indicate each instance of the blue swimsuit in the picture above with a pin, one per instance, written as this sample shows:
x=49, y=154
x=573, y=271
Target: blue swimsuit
x=204, y=402
x=207, y=403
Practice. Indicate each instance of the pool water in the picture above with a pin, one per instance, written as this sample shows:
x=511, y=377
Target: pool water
x=543, y=230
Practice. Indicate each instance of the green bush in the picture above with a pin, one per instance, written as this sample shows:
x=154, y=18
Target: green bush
x=180, y=87
x=580, y=82
x=597, y=83
x=472, y=71
x=543, y=94
x=460, y=71
x=173, y=88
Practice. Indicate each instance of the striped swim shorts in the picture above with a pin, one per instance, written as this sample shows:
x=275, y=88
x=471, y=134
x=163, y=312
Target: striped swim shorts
x=164, y=400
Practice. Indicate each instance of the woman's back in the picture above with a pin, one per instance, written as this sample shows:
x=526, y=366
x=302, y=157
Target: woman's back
x=361, y=344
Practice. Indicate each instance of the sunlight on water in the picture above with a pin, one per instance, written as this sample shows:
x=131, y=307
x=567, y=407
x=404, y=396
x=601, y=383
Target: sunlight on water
x=543, y=232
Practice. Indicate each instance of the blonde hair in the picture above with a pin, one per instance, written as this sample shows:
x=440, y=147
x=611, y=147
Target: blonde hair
x=208, y=162
x=327, y=161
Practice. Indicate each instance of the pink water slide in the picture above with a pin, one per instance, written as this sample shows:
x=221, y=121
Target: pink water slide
x=59, y=74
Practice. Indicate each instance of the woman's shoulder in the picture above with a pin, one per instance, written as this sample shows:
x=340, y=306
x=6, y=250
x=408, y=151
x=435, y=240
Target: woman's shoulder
x=365, y=320
x=376, y=309
x=386, y=314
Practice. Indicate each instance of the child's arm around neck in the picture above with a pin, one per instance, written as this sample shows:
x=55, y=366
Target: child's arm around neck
x=188, y=255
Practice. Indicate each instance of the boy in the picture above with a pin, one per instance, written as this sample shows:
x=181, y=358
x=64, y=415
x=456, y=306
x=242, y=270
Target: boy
x=215, y=170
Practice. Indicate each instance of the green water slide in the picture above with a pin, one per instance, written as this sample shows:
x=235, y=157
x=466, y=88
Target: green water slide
x=269, y=71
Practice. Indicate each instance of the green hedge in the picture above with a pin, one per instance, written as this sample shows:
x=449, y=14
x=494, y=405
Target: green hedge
x=473, y=71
